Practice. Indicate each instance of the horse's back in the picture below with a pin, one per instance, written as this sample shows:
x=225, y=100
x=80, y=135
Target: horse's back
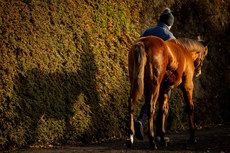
x=153, y=45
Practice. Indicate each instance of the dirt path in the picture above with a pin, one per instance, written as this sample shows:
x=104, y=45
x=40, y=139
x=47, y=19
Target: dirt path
x=209, y=140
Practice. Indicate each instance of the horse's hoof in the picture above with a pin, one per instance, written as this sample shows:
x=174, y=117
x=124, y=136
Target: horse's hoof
x=192, y=140
x=153, y=146
x=163, y=144
x=128, y=143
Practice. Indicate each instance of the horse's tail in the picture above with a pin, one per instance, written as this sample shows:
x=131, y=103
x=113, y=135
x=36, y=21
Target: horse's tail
x=139, y=67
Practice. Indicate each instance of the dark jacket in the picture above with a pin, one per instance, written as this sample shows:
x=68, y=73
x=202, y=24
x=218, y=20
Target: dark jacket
x=161, y=30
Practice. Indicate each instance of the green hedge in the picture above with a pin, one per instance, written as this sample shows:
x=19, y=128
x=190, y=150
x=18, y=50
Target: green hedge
x=64, y=70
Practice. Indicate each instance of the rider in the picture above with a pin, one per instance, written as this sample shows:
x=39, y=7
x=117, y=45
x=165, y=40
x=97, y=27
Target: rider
x=161, y=30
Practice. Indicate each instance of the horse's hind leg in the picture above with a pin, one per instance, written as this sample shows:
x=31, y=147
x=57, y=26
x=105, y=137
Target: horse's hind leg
x=151, y=96
x=162, y=113
x=188, y=90
x=132, y=106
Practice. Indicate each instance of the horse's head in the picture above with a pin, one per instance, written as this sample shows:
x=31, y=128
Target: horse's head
x=202, y=54
x=198, y=49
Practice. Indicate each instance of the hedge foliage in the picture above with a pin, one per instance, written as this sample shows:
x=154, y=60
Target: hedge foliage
x=64, y=70
x=63, y=66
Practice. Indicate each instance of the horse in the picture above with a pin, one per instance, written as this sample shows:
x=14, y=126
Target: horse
x=156, y=66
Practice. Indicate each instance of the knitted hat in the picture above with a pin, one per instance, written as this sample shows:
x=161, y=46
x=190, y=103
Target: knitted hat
x=167, y=17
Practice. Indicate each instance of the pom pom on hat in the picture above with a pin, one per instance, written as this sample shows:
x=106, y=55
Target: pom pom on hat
x=167, y=17
x=166, y=10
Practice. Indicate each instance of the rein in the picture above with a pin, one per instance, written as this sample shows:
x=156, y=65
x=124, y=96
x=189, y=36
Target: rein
x=201, y=61
x=198, y=68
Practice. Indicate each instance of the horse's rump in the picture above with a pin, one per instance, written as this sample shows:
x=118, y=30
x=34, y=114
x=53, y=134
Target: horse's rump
x=156, y=54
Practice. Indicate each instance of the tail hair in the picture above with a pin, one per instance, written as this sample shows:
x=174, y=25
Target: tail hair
x=139, y=67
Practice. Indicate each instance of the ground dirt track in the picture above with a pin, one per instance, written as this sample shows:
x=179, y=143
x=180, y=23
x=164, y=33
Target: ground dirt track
x=215, y=139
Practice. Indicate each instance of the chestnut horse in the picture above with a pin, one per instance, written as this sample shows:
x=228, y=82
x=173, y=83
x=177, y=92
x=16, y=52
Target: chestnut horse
x=157, y=66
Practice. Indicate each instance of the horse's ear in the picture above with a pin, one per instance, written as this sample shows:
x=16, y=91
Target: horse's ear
x=205, y=43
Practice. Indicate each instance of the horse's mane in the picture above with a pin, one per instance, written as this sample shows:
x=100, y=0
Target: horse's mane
x=192, y=45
